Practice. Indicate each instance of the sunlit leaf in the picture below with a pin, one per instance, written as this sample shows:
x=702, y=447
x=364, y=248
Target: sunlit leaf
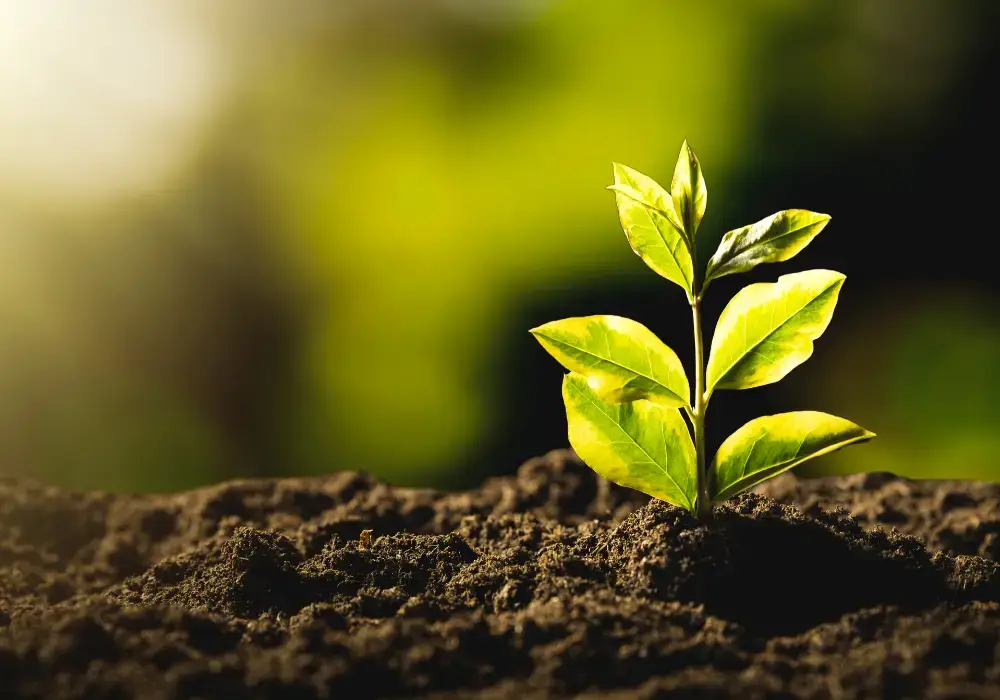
x=767, y=446
x=768, y=329
x=688, y=191
x=638, y=444
x=774, y=239
x=645, y=190
x=650, y=231
x=621, y=359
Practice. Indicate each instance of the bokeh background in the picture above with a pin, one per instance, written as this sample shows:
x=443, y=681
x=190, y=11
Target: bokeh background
x=259, y=238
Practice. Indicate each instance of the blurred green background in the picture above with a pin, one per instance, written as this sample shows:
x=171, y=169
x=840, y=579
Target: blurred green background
x=256, y=238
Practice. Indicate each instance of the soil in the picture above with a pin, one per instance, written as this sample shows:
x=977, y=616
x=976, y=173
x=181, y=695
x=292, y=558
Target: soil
x=551, y=583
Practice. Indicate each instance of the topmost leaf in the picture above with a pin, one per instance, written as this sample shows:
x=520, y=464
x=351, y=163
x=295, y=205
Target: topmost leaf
x=645, y=190
x=688, y=190
x=647, y=215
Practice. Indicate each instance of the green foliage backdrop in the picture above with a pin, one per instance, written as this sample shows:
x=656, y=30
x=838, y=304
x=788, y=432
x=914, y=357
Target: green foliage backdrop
x=269, y=239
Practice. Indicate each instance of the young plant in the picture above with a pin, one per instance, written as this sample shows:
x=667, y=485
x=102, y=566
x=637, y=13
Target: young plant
x=626, y=389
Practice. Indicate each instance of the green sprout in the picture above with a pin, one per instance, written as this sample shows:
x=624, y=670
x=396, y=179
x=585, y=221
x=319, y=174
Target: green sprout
x=626, y=389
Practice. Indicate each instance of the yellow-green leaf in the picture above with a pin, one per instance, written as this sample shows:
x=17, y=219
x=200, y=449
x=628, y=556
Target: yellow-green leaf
x=774, y=239
x=644, y=190
x=767, y=446
x=637, y=444
x=659, y=243
x=621, y=359
x=768, y=329
x=688, y=190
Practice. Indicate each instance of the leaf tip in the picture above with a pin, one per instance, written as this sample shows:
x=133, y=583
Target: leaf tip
x=688, y=152
x=835, y=277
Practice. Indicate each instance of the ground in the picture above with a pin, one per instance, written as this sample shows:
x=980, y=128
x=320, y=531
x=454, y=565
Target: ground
x=551, y=583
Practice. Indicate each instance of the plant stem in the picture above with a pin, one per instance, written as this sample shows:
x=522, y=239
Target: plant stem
x=704, y=506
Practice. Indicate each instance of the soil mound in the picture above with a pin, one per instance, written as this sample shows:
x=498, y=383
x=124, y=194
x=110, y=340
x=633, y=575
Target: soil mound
x=550, y=583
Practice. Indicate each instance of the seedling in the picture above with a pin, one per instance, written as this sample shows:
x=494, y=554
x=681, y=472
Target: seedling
x=626, y=390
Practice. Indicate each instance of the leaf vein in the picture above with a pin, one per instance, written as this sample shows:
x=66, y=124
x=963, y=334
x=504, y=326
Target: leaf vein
x=611, y=361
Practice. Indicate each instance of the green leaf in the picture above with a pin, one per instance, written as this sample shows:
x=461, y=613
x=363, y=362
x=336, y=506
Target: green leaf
x=767, y=446
x=768, y=329
x=621, y=359
x=656, y=240
x=774, y=239
x=688, y=190
x=645, y=190
x=638, y=444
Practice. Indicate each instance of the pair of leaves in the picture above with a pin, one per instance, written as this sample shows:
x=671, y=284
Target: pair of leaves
x=646, y=446
x=765, y=332
x=661, y=226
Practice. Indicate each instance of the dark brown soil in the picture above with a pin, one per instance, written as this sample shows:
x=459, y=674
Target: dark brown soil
x=552, y=583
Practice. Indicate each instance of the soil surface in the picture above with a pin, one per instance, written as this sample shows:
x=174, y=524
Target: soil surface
x=550, y=583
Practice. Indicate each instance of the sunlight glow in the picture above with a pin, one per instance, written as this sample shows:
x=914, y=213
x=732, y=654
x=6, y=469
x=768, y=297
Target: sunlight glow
x=99, y=99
